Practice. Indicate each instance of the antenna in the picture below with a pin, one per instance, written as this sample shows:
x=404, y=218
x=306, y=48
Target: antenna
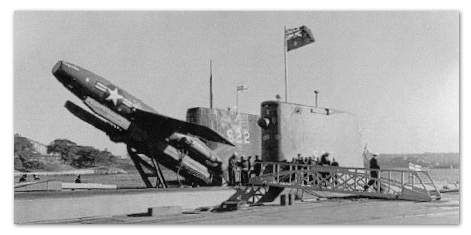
x=210, y=84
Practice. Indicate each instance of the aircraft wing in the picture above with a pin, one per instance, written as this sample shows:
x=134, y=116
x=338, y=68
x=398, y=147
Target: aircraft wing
x=159, y=122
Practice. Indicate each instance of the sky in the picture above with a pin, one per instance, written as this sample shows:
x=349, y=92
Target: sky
x=397, y=71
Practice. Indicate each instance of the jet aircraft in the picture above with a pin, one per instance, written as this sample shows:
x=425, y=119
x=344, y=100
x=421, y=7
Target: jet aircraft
x=151, y=138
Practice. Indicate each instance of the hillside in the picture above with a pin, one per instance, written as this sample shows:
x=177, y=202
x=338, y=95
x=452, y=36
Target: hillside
x=64, y=155
x=429, y=160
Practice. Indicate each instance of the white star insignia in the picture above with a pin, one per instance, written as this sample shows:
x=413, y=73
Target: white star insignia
x=114, y=96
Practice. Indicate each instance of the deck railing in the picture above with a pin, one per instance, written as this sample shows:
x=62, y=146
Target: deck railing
x=389, y=183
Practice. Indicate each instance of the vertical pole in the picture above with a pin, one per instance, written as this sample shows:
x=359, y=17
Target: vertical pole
x=237, y=100
x=413, y=179
x=402, y=179
x=210, y=84
x=309, y=174
x=379, y=182
x=274, y=171
x=278, y=173
x=345, y=177
x=290, y=180
x=286, y=66
x=355, y=180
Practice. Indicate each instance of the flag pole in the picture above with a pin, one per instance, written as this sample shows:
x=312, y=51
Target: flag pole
x=286, y=66
x=237, y=99
x=210, y=84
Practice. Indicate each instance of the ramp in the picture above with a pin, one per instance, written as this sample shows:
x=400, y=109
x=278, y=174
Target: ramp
x=88, y=186
x=55, y=185
x=390, y=183
x=40, y=185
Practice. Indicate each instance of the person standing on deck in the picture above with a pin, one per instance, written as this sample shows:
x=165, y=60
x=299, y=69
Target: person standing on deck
x=232, y=169
x=374, y=166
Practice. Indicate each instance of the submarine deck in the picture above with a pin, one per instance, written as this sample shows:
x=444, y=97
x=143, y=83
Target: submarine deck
x=331, y=211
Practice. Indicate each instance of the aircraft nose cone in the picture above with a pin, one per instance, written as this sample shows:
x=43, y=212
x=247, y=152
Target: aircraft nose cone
x=56, y=68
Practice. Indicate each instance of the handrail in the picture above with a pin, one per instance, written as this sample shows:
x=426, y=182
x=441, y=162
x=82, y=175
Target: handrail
x=340, y=167
x=390, y=183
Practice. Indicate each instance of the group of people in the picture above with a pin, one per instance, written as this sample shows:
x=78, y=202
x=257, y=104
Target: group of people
x=311, y=160
x=323, y=161
x=326, y=176
x=240, y=169
x=24, y=178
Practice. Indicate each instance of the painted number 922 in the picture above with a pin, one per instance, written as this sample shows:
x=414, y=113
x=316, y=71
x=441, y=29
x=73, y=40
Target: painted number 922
x=238, y=137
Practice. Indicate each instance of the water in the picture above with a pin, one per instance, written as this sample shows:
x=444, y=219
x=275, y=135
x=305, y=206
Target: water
x=445, y=176
x=133, y=180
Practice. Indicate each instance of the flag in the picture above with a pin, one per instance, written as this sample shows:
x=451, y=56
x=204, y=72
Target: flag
x=298, y=37
x=242, y=88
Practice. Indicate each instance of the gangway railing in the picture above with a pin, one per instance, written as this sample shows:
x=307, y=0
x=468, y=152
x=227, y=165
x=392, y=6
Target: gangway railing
x=389, y=184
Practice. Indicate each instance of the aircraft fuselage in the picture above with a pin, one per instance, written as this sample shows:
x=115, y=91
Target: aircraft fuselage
x=151, y=133
x=84, y=83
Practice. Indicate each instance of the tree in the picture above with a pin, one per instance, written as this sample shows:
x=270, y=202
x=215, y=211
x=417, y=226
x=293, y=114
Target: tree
x=18, y=164
x=85, y=157
x=64, y=147
x=80, y=156
x=105, y=158
x=23, y=149
x=22, y=144
x=34, y=165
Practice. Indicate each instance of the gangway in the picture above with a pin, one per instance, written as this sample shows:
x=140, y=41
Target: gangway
x=399, y=184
